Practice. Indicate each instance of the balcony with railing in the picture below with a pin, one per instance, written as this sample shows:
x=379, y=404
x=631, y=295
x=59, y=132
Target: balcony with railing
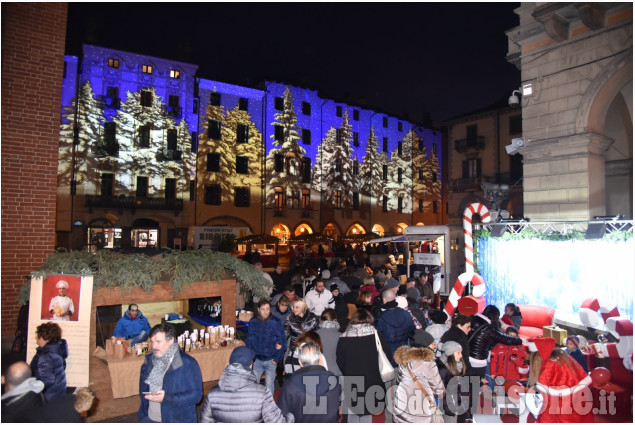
x=463, y=145
x=133, y=202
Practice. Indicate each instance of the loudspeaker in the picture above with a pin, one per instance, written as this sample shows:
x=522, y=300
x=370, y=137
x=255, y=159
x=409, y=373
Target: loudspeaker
x=595, y=230
x=498, y=230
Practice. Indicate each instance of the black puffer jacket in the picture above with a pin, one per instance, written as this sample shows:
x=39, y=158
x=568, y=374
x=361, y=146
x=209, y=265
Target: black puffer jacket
x=295, y=326
x=237, y=398
x=483, y=337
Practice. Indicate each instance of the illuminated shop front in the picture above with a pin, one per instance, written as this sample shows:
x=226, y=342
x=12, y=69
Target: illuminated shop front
x=104, y=237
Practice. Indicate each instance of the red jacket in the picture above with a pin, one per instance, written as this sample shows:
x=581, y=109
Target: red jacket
x=509, y=362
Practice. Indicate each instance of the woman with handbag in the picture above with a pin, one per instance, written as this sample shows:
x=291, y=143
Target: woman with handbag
x=451, y=364
x=358, y=359
x=420, y=383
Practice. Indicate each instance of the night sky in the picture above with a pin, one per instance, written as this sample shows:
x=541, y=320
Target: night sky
x=401, y=59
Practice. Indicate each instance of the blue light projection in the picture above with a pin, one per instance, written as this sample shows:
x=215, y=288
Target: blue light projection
x=558, y=274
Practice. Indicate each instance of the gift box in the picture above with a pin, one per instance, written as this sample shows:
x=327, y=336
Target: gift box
x=559, y=334
x=245, y=316
x=471, y=305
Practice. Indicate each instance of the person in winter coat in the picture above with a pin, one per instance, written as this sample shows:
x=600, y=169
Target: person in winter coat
x=369, y=285
x=312, y=394
x=357, y=357
x=452, y=368
x=49, y=362
x=329, y=332
x=133, y=325
x=23, y=395
x=562, y=382
x=438, y=326
x=170, y=383
x=299, y=321
x=266, y=338
x=319, y=298
x=238, y=398
x=341, y=308
x=394, y=323
x=416, y=364
x=573, y=349
x=485, y=334
x=281, y=309
x=512, y=316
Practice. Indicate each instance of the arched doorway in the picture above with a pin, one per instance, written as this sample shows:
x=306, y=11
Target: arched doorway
x=102, y=233
x=303, y=229
x=400, y=228
x=355, y=229
x=281, y=231
x=332, y=231
x=379, y=229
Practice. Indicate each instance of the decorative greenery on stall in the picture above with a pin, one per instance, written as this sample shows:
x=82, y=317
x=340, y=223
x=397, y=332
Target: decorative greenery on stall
x=529, y=233
x=129, y=271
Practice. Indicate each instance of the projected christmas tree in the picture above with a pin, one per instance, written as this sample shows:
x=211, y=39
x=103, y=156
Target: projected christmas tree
x=243, y=135
x=399, y=183
x=427, y=188
x=283, y=161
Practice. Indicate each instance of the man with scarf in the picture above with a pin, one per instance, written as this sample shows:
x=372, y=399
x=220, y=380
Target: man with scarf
x=170, y=384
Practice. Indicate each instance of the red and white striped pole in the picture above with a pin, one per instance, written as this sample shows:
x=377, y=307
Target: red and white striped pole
x=475, y=208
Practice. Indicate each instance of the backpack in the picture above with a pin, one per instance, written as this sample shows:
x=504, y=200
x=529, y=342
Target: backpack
x=509, y=362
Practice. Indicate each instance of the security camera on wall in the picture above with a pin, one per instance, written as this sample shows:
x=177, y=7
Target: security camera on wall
x=517, y=143
x=513, y=99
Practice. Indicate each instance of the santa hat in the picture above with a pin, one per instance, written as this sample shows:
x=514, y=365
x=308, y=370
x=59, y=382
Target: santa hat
x=544, y=346
x=574, y=339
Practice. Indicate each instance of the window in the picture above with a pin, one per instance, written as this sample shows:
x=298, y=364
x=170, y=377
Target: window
x=400, y=205
x=241, y=197
x=306, y=136
x=434, y=177
x=471, y=168
x=384, y=172
x=338, y=165
x=278, y=199
x=214, y=99
x=385, y=145
x=385, y=122
x=212, y=194
x=434, y=149
x=399, y=175
x=435, y=207
x=213, y=129
x=175, y=74
x=420, y=144
x=144, y=136
x=355, y=138
x=384, y=206
x=192, y=190
x=515, y=125
x=193, y=141
x=306, y=199
x=195, y=106
x=147, y=69
x=293, y=166
x=400, y=126
x=107, y=184
x=173, y=104
x=295, y=199
x=213, y=162
x=399, y=148
x=278, y=104
x=355, y=168
x=113, y=63
x=243, y=104
x=242, y=164
x=356, y=201
x=278, y=133
x=306, y=108
x=472, y=134
x=338, y=111
x=306, y=170
x=337, y=198
x=420, y=205
x=172, y=139
x=170, y=188
x=356, y=114
x=420, y=174
x=112, y=97
x=242, y=133
x=278, y=161
x=146, y=98
x=338, y=136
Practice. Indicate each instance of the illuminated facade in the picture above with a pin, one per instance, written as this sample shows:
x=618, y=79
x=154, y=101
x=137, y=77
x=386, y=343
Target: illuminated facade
x=158, y=150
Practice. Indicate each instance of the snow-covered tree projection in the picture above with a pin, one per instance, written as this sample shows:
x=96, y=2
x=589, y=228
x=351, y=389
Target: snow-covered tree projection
x=243, y=134
x=284, y=161
x=216, y=159
x=89, y=133
x=371, y=168
x=336, y=165
x=425, y=168
x=399, y=185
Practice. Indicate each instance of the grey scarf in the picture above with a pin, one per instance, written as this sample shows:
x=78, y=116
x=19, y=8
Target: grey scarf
x=362, y=329
x=160, y=367
x=329, y=324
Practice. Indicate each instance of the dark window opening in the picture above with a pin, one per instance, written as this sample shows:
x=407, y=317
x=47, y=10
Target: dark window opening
x=170, y=188
x=242, y=164
x=213, y=129
x=278, y=163
x=241, y=198
x=214, y=99
x=242, y=133
x=384, y=169
x=306, y=108
x=142, y=187
x=385, y=145
x=400, y=205
x=212, y=194
x=172, y=139
x=146, y=98
x=144, y=136
x=192, y=190
x=355, y=138
x=278, y=104
x=338, y=111
x=306, y=170
x=306, y=136
x=243, y=104
x=385, y=122
x=213, y=162
x=356, y=201
x=355, y=114
x=107, y=181
x=278, y=133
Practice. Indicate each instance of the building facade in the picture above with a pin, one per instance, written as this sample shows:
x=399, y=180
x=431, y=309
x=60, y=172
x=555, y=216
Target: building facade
x=148, y=150
x=576, y=63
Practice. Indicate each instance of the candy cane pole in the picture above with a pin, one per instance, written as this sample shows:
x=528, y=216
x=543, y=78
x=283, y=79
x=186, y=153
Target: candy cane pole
x=459, y=287
x=481, y=210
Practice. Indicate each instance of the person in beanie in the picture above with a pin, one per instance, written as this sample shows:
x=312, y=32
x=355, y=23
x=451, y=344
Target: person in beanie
x=422, y=338
x=438, y=326
x=451, y=364
x=417, y=364
x=573, y=349
x=238, y=398
x=561, y=381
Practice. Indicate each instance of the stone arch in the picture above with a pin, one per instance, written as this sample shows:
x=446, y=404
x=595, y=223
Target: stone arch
x=355, y=228
x=333, y=229
x=303, y=225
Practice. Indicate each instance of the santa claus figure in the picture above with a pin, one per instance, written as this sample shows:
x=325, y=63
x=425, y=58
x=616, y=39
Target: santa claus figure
x=562, y=382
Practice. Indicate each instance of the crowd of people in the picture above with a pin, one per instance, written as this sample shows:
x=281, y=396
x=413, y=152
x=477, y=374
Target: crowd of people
x=322, y=335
